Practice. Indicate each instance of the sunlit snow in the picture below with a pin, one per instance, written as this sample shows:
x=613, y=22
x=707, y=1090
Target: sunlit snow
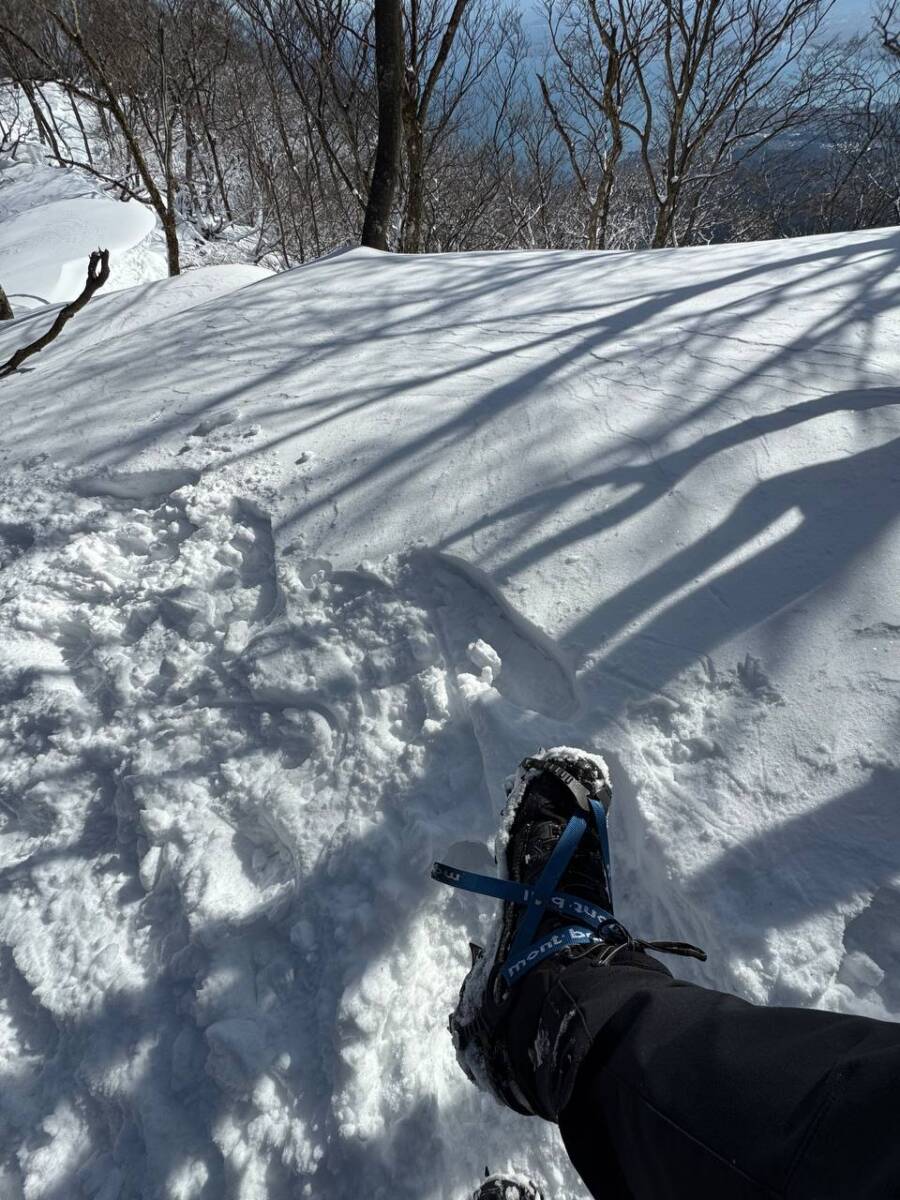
x=293, y=569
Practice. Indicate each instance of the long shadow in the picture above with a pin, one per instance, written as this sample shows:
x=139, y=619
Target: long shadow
x=306, y=1068
x=653, y=480
x=820, y=548
x=824, y=859
x=495, y=404
x=770, y=561
x=286, y=1006
x=244, y=1023
x=188, y=353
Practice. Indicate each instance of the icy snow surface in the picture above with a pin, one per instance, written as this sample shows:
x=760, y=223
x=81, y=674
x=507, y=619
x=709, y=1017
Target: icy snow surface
x=293, y=574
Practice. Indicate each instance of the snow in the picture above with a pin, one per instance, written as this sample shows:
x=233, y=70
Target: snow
x=74, y=228
x=51, y=220
x=296, y=568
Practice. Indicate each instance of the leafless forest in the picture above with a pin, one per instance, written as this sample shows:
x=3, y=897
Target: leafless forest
x=602, y=124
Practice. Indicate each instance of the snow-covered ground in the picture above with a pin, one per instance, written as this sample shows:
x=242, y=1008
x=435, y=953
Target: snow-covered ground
x=44, y=246
x=249, y=530
x=51, y=218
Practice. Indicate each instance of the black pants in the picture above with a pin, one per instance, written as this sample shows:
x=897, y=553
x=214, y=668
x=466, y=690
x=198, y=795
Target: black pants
x=690, y=1093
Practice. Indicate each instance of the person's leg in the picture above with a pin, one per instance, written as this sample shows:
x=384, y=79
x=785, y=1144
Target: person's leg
x=662, y=1089
x=687, y=1092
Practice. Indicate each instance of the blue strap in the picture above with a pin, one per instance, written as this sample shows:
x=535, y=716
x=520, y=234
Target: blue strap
x=570, y=935
x=545, y=884
x=485, y=885
x=587, y=913
x=517, y=893
x=601, y=925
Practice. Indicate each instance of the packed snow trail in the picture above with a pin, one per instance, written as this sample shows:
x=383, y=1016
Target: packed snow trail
x=224, y=787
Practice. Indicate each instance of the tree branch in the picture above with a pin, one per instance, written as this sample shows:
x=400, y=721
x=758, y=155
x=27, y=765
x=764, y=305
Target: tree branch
x=97, y=275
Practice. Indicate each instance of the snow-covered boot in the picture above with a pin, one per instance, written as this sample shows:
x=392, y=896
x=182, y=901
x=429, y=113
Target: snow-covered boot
x=555, y=881
x=507, y=1187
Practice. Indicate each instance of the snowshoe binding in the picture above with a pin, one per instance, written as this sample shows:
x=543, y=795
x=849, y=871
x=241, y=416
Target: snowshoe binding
x=555, y=881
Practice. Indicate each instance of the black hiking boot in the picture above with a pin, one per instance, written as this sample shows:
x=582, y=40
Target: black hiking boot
x=546, y=792
x=552, y=854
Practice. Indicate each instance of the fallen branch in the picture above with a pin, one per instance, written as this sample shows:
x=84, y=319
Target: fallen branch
x=97, y=275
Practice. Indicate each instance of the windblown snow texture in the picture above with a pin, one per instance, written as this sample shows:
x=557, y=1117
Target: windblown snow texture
x=292, y=575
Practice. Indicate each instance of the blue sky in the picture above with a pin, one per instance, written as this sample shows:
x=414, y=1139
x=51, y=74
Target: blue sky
x=851, y=16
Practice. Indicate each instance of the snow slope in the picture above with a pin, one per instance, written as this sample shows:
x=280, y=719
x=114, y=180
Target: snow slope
x=248, y=547
x=51, y=220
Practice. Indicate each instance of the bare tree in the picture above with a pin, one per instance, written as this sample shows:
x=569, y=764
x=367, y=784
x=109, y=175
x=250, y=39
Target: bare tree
x=325, y=53
x=532, y=189
x=115, y=60
x=17, y=19
x=585, y=91
x=11, y=115
x=389, y=68
x=715, y=81
x=842, y=171
x=652, y=122
x=420, y=78
x=887, y=25
x=201, y=41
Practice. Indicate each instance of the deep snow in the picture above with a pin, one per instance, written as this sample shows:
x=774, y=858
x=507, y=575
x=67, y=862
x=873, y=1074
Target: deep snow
x=51, y=220
x=252, y=532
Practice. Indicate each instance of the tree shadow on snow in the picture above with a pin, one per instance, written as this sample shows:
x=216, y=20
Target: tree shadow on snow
x=250, y=349
x=292, y=1005
x=824, y=859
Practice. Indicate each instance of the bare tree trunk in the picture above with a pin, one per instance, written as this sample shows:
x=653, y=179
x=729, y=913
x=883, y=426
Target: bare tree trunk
x=415, y=199
x=663, y=229
x=6, y=312
x=169, y=114
x=45, y=132
x=418, y=94
x=97, y=275
x=586, y=93
x=389, y=63
x=211, y=141
x=84, y=137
